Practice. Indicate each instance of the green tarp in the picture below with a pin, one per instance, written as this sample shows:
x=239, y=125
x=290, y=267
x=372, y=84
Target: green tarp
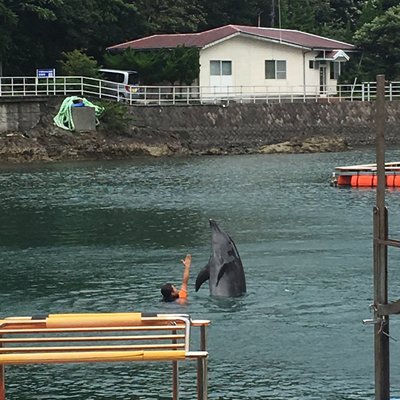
x=64, y=117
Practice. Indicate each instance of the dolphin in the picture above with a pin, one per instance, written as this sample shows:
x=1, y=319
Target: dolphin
x=224, y=270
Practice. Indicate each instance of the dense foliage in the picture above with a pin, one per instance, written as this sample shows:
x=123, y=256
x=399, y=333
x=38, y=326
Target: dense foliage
x=164, y=66
x=40, y=33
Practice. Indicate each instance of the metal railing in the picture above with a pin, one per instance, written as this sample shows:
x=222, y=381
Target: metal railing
x=105, y=337
x=186, y=95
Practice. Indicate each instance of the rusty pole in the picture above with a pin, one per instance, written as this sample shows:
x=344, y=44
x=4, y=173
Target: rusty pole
x=381, y=329
x=2, y=379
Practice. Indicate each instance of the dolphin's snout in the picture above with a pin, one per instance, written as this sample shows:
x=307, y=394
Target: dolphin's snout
x=213, y=224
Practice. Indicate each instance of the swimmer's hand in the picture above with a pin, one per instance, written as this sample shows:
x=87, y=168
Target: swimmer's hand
x=187, y=261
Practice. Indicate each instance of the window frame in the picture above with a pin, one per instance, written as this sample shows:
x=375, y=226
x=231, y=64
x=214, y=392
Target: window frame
x=222, y=67
x=275, y=69
x=334, y=70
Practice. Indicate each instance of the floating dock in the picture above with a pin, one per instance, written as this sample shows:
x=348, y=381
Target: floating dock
x=365, y=175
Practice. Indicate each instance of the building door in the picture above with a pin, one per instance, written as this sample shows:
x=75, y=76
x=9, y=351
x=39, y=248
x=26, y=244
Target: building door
x=322, y=79
x=220, y=76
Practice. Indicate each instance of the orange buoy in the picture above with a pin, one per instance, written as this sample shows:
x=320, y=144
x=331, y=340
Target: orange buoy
x=365, y=175
x=393, y=180
x=354, y=180
x=344, y=180
x=365, y=181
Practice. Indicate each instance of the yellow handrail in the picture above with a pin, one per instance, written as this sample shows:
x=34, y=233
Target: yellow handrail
x=97, y=337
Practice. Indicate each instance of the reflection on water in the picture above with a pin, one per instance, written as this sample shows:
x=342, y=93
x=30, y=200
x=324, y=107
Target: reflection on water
x=92, y=237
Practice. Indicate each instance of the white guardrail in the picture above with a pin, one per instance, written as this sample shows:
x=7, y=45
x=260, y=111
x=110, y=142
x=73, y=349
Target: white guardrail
x=185, y=95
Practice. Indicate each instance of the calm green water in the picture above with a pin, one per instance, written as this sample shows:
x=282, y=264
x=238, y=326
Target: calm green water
x=94, y=237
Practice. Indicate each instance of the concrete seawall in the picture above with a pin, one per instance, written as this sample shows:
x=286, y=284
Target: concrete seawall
x=20, y=115
x=26, y=128
x=253, y=125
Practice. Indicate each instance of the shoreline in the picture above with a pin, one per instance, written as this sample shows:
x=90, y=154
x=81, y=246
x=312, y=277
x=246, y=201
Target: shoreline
x=59, y=146
x=28, y=133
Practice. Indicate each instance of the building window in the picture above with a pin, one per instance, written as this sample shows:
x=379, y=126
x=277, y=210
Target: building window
x=218, y=68
x=335, y=70
x=275, y=69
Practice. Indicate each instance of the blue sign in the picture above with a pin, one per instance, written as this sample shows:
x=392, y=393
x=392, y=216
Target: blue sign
x=46, y=73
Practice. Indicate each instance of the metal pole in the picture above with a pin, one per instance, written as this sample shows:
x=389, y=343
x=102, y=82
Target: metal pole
x=2, y=379
x=202, y=378
x=2, y=383
x=380, y=143
x=381, y=328
x=175, y=375
x=203, y=338
x=175, y=380
x=202, y=367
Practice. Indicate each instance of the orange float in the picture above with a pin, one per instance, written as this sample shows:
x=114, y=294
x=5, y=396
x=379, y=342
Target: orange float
x=393, y=180
x=365, y=176
x=344, y=180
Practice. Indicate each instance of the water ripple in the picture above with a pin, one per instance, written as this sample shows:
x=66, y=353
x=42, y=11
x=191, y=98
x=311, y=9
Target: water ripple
x=99, y=237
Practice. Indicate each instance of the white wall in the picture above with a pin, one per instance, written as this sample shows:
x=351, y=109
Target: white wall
x=248, y=64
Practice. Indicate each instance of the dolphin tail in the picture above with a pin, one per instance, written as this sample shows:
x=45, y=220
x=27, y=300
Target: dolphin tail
x=204, y=275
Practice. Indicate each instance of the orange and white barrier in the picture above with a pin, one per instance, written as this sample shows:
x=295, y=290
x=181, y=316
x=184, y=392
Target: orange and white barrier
x=365, y=176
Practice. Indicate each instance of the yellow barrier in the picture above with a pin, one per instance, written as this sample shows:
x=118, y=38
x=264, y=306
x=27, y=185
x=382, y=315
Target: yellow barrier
x=93, y=320
x=103, y=337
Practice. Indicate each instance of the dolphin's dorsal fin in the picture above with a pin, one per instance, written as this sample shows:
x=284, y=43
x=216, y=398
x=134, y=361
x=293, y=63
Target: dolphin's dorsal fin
x=204, y=275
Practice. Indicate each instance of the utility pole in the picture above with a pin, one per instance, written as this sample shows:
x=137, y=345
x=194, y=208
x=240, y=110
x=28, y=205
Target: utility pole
x=259, y=18
x=272, y=15
x=381, y=314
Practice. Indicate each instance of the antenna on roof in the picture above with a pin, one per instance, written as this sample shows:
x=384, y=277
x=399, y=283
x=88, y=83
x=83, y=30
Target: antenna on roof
x=259, y=18
x=279, y=21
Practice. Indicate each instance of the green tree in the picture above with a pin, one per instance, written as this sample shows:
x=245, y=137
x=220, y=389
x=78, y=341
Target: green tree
x=331, y=18
x=46, y=28
x=35, y=33
x=379, y=40
x=240, y=12
x=31, y=21
x=147, y=63
x=296, y=17
x=370, y=10
x=170, y=16
x=8, y=21
x=337, y=19
x=95, y=24
x=169, y=65
x=77, y=63
x=181, y=65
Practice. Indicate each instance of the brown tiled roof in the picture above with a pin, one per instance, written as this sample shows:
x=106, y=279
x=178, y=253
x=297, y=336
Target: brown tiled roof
x=287, y=36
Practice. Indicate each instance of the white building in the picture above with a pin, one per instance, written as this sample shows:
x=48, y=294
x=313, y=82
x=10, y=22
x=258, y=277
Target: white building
x=251, y=59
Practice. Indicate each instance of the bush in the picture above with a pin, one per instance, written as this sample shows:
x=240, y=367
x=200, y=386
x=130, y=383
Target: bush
x=77, y=63
x=179, y=65
x=116, y=117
